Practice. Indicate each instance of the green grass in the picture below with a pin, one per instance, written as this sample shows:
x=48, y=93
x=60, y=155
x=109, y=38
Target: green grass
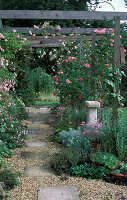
x=46, y=99
x=40, y=103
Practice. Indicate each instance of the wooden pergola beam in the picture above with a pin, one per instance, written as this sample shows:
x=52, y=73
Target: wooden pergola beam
x=55, y=14
x=86, y=31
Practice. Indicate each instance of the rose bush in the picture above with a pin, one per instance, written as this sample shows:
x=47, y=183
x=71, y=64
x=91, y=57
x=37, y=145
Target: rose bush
x=80, y=78
x=13, y=133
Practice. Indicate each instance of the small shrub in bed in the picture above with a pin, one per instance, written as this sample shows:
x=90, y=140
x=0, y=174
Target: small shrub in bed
x=83, y=145
x=90, y=171
x=67, y=137
x=63, y=161
x=10, y=178
x=106, y=159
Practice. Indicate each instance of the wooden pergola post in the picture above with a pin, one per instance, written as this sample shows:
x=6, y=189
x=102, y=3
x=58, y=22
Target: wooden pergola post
x=116, y=65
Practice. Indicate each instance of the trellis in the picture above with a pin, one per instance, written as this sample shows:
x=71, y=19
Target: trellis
x=82, y=15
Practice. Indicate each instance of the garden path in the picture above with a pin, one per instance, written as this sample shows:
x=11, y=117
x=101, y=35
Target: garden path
x=38, y=179
x=39, y=138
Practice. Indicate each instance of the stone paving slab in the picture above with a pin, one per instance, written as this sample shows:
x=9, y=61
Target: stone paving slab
x=39, y=122
x=33, y=134
x=38, y=171
x=44, y=108
x=33, y=128
x=34, y=155
x=36, y=144
x=58, y=193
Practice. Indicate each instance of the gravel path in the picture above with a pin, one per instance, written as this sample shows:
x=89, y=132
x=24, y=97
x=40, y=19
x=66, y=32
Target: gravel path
x=27, y=190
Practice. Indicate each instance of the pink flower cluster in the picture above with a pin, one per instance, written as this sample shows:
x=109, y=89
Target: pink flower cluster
x=55, y=78
x=100, y=31
x=112, y=30
x=87, y=127
x=58, y=28
x=54, y=93
x=70, y=58
x=68, y=81
x=36, y=27
x=60, y=110
x=87, y=65
x=4, y=62
x=60, y=72
x=1, y=49
x=45, y=24
x=6, y=85
x=1, y=36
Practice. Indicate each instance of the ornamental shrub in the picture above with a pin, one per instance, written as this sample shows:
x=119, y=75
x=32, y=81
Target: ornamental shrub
x=84, y=145
x=67, y=138
x=80, y=79
x=106, y=159
x=65, y=159
x=90, y=171
x=10, y=178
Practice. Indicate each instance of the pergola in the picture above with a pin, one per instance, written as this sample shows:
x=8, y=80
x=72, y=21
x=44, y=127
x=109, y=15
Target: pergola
x=64, y=15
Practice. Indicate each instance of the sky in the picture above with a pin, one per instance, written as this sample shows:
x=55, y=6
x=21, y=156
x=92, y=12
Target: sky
x=119, y=6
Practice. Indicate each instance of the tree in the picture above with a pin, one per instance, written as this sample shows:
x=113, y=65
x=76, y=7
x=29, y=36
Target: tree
x=125, y=2
x=80, y=5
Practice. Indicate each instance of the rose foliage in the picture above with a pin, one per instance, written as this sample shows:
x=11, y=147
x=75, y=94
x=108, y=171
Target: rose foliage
x=85, y=76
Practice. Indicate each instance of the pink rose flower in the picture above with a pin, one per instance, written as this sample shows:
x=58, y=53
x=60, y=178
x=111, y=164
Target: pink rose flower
x=68, y=81
x=36, y=27
x=87, y=65
x=54, y=93
x=111, y=44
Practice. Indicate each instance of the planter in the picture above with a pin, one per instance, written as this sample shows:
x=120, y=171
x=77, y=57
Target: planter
x=119, y=177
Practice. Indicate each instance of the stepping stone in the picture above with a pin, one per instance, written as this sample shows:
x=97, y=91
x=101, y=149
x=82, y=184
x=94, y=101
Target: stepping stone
x=43, y=108
x=39, y=122
x=33, y=128
x=58, y=193
x=36, y=144
x=34, y=134
x=38, y=171
x=34, y=155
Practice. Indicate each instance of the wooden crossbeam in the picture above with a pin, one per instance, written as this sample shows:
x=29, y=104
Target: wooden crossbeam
x=55, y=14
x=86, y=31
x=39, y=41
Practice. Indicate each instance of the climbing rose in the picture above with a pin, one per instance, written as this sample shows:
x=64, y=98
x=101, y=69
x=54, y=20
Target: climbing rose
x=58, y=28
x=80, y=97
x=56, y=79
x=72, y=58
x=100, y=31
x=36, y=27
x=68, y=81
x=17, y=36
x=111, y=44
x=87, y=65
x=54, y=93
x=112, y=30
x=80, y=79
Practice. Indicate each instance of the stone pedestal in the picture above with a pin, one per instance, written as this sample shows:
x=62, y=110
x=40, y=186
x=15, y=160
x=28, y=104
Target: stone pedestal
x=92, y=111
